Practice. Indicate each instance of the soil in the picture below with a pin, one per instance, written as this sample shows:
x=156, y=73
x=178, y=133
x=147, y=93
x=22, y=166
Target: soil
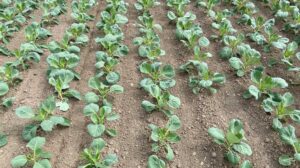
x=132, y=145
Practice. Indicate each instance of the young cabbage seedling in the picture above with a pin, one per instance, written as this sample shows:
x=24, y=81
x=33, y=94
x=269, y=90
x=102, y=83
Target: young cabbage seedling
x=93, y=158
x=9, y=73
x=77, y=34
x=43, y=118
x=112, y=46
x=60, y=80
x=26, y=53
x=179, y=8
x=163, y=137
x=145, y=5
x=147, y=23
x=232, y=43
x=186, y=23
x=99, y=116
x=264, y=84
x=289, y=53
x=37, y=157
x=288, y=136
x=80, y=10
x=102, y=89
x=249, y=58
x=233, y=141
x=35, y=32
x=281, y=106
x=106, y=67
x=52, y=9
x=201, y=77
x=161, y=75
x=63, y=45
x=62, y=60
x=164, y=101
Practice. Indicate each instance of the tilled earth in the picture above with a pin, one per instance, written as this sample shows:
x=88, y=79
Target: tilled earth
x=132, y=145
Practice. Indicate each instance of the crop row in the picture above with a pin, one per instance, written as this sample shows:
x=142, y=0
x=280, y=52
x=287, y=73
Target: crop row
x=104, y=83
x=157, y=82
x=60, y=73
x=244, y=59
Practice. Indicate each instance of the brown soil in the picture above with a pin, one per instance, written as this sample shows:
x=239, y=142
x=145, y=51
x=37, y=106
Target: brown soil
x=197, y=113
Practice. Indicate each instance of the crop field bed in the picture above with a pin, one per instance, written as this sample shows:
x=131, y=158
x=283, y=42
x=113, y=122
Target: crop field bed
x=198, y=113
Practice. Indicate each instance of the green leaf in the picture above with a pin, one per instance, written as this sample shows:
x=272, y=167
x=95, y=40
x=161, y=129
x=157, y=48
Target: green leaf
x=29, y=131
x=19, y=161
x=217, y=134
x=110, y=159
x=226, y=53
x=96, y=130
x=155, y=162
x=254, y=91
x=111, y=132
x=170, y=153
x=42, y=164
x=47, y=125
x=3, y=88
x=91, y=97
x=277, y=125
x=203, y=42
x=174, y=102
x=8, y=102
x=3, y=139
x=90, y=109
x=116, y=89
x=98, y=144
x=58, y=120
x=148, y=106
x=246, y=164
x=171, y=15
x=71, y=93
x=63, y=106
x=243, y=148
x=36, y=143
x=285, y=160
x=232, y=157
x=25, y=112
x=173, y=123
x=112, y=77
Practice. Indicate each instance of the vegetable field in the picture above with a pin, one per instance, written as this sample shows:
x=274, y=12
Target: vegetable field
x=149, y=83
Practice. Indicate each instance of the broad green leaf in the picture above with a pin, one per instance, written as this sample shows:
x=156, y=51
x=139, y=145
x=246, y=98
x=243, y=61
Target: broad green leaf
x=36, y=143
x=170, y=153
x=173, y=123
x=254, y=91
x=96, y=130
x=203, y=42
x=217, y=134
x=47, y=125
x=90, y=109
x=25, y=112
x=91, y=97
x=110, y=159
x=246, y=164
x=148, y=106
x=19, y=161
x=174, y=102
x=111, y=132
x=3, y=88
x=63, y=106
x=232, y=157
x=285, y=160
x=243, y=148
x=58, y=120
x=116, y=89
x=29, y=131
x=98, y=144
x=155, y=162
x=3, y=139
